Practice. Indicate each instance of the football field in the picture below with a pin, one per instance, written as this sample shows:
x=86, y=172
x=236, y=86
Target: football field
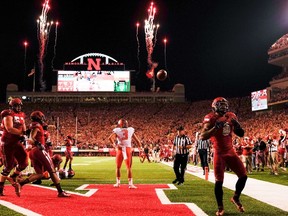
x=95, y=175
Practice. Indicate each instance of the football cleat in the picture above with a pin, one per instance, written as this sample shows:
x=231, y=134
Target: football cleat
x=132, y=187
x=64, y=194
x=17, y=187
x=237, y=204
x=38, y=181
x=175, y=181
x=220, y=212
x=117, y=185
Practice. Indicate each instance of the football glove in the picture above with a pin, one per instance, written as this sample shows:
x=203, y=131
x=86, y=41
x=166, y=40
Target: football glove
x=219, y=124
x=235, y=123
x=239, y=132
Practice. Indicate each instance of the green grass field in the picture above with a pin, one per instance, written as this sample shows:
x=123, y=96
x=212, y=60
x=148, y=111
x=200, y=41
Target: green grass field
x=101, y=170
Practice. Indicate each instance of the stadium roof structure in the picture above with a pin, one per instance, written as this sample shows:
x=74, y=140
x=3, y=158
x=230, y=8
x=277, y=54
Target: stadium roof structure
x=278, y=52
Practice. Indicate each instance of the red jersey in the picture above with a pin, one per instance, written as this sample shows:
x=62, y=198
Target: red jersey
x=18, y=122
x=247, y=148
x=46, y=136
x=238, y=149
x=40, y=134
x=222, y=138
x=68, y=145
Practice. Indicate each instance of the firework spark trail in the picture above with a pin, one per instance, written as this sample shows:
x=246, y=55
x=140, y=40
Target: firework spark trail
x=149, y=36
x=55, y=44
x=155, y=38
x=138, y=47
x=149, y=32
x=43, y=36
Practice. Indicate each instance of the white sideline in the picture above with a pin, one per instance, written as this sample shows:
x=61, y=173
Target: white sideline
x=270, y=193
x=165, y=201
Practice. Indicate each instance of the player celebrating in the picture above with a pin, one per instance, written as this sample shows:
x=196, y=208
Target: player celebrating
x=14, y=154
x=40, y=159
x=124, y=135
x=218, y=126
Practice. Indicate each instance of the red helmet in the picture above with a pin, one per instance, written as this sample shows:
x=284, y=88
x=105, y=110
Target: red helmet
x=220, y=105
x=122, y=123
x=38, y=116
x=57, y=159
x=14, y=103
x=71, y=173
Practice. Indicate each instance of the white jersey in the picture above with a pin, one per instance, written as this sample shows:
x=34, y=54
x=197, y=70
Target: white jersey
x=124, y=136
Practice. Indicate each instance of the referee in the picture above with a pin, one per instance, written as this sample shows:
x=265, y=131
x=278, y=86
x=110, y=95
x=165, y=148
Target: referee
x=181, y=143
x=203, y=147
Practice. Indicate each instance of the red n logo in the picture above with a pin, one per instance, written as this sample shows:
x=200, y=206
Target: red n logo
x=92, y=64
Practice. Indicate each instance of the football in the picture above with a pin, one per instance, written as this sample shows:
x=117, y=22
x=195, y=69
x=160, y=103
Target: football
x=161, y=75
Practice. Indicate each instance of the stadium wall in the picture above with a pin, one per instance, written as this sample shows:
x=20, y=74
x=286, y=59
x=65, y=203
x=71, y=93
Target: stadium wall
x=177, y=95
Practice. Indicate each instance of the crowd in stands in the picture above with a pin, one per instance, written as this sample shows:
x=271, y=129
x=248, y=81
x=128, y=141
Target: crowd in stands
x=280, y=43
x=155, y=123
x=278, y=94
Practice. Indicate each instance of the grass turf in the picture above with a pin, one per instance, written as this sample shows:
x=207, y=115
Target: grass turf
x=101, y=170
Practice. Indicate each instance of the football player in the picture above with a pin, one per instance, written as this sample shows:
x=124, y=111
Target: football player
x=121, y=138
x=14, y=129
x=219, y=125
x=68, y=152
x=48, y=143
x=40, y=159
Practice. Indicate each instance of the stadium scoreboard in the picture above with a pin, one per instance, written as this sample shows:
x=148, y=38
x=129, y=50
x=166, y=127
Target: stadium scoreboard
x=94, y=72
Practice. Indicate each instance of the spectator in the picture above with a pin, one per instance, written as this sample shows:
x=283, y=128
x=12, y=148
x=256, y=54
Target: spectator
x=146, y=154
x=273, y=155
x=247, y=147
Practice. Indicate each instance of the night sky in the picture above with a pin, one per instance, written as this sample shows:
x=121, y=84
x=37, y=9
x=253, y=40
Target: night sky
x=215, y=48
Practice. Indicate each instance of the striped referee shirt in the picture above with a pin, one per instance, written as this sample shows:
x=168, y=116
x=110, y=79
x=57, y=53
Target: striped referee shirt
x=182, y=141
x=203, y=144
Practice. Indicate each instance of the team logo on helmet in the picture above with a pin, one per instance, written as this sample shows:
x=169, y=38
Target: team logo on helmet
x=220, y=105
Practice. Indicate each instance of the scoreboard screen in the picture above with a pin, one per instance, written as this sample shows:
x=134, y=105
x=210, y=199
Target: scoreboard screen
x=93, y=81
x=259, y=100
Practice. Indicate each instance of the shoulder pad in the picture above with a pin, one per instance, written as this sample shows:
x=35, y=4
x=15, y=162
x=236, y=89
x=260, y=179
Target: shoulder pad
x=5, y=113
x=34, y=125
x=231, y=115
x=208, y=117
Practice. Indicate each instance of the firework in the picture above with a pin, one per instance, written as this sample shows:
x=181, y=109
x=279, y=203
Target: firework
x=150, y=38
x=55, y=44
x=138, y=46
x=43, y=30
